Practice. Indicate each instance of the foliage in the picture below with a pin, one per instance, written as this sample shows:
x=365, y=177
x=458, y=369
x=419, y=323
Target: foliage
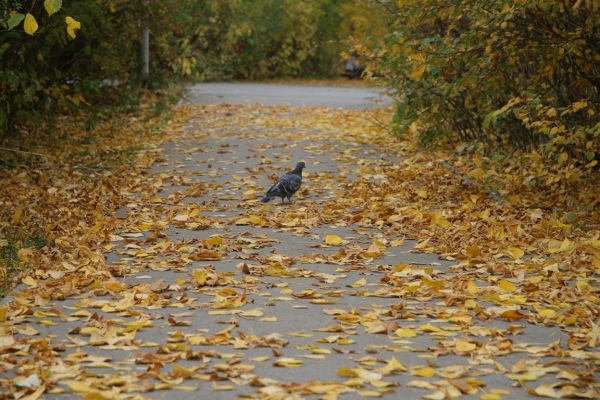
x=274, y=38
x=509, y=74
x=60, y=55
x=10, y=245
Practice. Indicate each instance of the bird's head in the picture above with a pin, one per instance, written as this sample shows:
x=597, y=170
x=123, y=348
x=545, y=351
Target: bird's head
x=299, y=167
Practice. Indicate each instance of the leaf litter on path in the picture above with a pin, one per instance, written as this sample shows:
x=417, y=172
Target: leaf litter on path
x=227, y=279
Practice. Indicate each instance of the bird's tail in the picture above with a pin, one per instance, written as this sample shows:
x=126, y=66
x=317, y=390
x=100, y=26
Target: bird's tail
x=266, y=199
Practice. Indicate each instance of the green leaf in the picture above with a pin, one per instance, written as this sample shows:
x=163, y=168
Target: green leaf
x=15, y=20
x=52, y=6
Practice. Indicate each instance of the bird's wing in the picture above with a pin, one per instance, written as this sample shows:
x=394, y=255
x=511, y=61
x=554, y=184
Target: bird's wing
x=293, y=183
x=275, y=189
x=287, y=185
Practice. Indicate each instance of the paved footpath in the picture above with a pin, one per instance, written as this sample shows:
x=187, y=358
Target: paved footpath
x=222, y=297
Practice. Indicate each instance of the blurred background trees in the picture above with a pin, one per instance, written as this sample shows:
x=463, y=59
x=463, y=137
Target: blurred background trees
x=47, y=71
x=493, y=74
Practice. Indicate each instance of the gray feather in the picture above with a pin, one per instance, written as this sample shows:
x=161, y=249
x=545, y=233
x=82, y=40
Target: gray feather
x=287, y=185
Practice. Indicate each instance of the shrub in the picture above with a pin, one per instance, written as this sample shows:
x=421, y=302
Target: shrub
x=508, y=74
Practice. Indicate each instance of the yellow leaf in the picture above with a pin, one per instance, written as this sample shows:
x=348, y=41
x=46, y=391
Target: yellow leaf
x=6, y=341
x=79, y=387
x=215, y=241
x=345, y=371
x=512, y=315
x=255, y=312
x=287, y=362
x=514, y=252
x=523, y=377
x=333, y=240
x=144, y=227
x=29, y=281
x=216, y=386
x=25, y=254
x=28, y=331
x=30, y=24
x=197, y=340
x=397, y=242
x=578, y=105
x=476, y=173
x=179, y=371
x=437, y=395
x=548, y=313
x=565, y=245
x=562, y=158
x=460, y=319
x=422, y=193
x=470, y=304
x=544, y=390
x=183, y=388
x=429, y=328
x=367, y=375
x=423, y=372
x=374, y=250
x=507, y=286
x=464, y=346
x=17, y=216
x=72, y=26
x=437, y=219
x=251, y=220
x=135, y=326
x=199, y=277
x=405, y=333
x=491, y=396
x=417, y=73
x=359, y=283
x=260, y=359
x=320, y=351
x=473, y=251
x=551, y=112
x=113, y=286
x=35, y=395
x=471, y=288
x=392, y=366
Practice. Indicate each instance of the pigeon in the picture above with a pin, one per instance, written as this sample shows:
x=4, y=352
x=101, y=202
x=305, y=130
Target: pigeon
x=287, y=185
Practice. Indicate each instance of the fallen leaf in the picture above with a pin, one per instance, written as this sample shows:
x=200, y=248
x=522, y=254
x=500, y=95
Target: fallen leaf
x=333, y=240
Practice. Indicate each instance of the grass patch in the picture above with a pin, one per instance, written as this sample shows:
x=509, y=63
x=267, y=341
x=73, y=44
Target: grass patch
x=10, y=264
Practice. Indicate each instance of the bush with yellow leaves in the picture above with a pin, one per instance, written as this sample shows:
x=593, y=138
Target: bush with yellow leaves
x=508, y=74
